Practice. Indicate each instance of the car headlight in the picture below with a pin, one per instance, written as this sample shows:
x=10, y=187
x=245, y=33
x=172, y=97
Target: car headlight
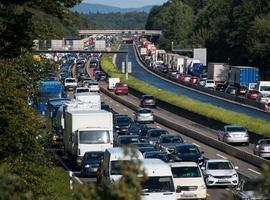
x=151, y=142
x=235, y=176
x=202, y=187
x=87, y=166
x=117, y=127
x=209, y=176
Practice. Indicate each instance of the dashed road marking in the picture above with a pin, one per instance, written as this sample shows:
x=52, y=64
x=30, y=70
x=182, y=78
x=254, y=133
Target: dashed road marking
x=254, y=171
x=111, y=101
x=221, y=156
x=158, y=126
x=117, y=105
x=124, y=109
x=196, y=145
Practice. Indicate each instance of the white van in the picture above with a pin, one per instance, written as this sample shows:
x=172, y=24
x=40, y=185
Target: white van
x=113, y=157
x=264, y=88
x=159, y=184
x=112, y=82
x=188, y=180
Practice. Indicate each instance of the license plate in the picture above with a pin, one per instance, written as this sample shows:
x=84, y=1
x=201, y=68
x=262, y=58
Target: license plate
x=222, y=180
x=188, y=194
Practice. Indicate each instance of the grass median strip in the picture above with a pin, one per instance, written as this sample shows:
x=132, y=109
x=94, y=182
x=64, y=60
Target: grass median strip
x=258, y=126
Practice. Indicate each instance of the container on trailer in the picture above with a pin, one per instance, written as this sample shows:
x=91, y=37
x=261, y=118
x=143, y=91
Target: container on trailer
x=243, y=75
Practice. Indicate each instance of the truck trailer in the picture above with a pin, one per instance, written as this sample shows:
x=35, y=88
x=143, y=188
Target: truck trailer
x=243, y=75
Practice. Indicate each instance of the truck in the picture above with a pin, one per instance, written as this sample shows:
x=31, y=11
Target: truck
x=112, y=82
x=264, y=88
x=218, y=72
x=47, y=90
x=89, y=97
x=87, y=131
x=243, y=75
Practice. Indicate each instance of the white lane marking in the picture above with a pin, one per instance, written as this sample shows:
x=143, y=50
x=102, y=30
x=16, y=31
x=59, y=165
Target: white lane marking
x=111, y=101
x=221, y=156
x=77, y=179
x=117, y=105
x=158, y=126
x=254, y=171
x=196, y=145
x=208, y=195
x=124, y=109
x=133, y=114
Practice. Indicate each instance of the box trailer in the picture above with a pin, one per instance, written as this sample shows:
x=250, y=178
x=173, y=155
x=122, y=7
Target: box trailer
x=218, y=72
x=243, y=75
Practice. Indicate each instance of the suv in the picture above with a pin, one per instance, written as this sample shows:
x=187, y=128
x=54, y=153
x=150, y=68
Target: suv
x=147, y=100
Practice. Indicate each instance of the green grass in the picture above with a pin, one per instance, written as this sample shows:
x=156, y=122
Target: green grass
x=258, y=126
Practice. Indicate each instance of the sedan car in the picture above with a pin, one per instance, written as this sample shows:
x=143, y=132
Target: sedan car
x=168, y=142
x=157, y=154
x=90, y=163
x=143, y=115
x=262, y=148
x=187, y=152
x=127, y=139
x=234, y=134
x=122, y=124
x=121, y=88
x=220, y=172
x=147, y=100
x=252, y=94
x=153, y=135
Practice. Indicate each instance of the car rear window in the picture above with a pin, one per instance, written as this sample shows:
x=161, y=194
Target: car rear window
x=145, y=111
x=236, y=129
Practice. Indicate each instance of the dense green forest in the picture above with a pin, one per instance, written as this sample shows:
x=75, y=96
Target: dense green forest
x=131, y=20
x=235, y=31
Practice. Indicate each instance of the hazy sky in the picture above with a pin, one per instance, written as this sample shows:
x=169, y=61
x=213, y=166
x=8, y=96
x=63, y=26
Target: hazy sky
x=127, y=3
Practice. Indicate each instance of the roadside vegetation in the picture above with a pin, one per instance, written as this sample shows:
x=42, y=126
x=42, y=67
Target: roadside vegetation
x=255, y=125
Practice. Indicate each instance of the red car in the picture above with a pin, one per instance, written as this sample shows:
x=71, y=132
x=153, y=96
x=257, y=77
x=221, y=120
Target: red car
x=252, y=94
x=181, y=77
x=121, y=88
x=193, y=80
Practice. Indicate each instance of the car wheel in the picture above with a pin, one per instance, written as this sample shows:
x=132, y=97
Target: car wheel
x=246, y=144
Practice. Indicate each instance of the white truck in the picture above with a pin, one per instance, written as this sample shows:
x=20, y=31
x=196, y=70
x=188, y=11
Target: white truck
x=87, y=131
x=112, y=82
x=89, y=97
x=218, y=72
x=264, y=88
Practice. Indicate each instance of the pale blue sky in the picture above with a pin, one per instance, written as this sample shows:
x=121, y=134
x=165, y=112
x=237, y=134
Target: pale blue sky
x=127, y=3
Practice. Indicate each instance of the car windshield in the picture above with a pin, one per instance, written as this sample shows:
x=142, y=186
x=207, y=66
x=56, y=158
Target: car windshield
x=210, y=81
x=94, y=156
x=265, y=88
x=82, y=90
x=128, y=140
x=148, y=97
x=219, y=165
x=185, y=172
x=94, y=137
x=266, y=142
x=123, y=120
x=117, y=165
x=158, y=184
x=236, y=129
x=190, y=150
x=121, y=85
x=171, y=140
x=161, y=156
x=157, y=133
x=70, y=80
x=144, y=111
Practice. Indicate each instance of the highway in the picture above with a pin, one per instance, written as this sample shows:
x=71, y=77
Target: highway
x=142, y=73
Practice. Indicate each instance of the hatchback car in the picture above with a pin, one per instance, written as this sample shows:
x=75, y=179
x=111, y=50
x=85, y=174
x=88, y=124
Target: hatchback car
x=90, y=163
x=153, y=135
x=262, y=148
x=252, y=94
x=187, y=152
x=210, y=84
x=188, y=180
x=121, y=88
x=147, y=100
x=220, y=172
x=144, y=115
x=234, y=134
x=167, y=142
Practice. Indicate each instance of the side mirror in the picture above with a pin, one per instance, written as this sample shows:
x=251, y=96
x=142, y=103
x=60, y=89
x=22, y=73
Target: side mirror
x=236, y=167
x=178, y=189
x=202, y=168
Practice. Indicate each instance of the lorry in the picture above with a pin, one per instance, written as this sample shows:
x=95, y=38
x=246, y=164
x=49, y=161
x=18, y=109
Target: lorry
x=89, y=97
x=47, y=90
x=218, y=72
x=264, y=88
x=243, y=75
x=112, y=82
x=87, y=131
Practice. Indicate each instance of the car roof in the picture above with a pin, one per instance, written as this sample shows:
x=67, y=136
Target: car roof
x=118, y=153
x=170, y=135
x=156, y=167
x=183, y=164
x=234, y=125
x=185, y=145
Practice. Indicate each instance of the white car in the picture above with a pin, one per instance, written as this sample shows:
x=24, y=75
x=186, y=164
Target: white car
x=93, y=87
x=210, y=84
x=144, y=115
x=188, y=180
x=234, y=134
x=220, y=172
x=70, y=83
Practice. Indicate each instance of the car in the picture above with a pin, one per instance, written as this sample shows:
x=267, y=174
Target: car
x=153, y=135
x=157, y=154
x=143, y=132
x=100, y=76
x=187, y=152
x=81, y=90
x=248, y=190
x=221, y=87
x=242, y=90
x=210, y=84
x=122, y=124
x=232, y=90
x=127, y=139
x=220, y=172
x=70, y=83
x=143, y=115
x=201, y=83
x=146, y=149
x=252, y=94
x=121, y=88
x=193, y=80
x=203, y=77
x=181, y=77
x=234, y=134
x=262, y=148
x=147, y=100
x=188, y=180
x=168, y=142
x=90, y=163
x=187, y=78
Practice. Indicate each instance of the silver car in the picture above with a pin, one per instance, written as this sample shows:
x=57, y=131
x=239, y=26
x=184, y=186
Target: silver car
x=144, y=115
x=262, y=148
x=219, y=172
x=234, y=134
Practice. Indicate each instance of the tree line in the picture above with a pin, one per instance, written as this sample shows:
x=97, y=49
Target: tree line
x=234, y=31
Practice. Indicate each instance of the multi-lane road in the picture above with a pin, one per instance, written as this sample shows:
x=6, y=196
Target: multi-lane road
x=140, y=72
